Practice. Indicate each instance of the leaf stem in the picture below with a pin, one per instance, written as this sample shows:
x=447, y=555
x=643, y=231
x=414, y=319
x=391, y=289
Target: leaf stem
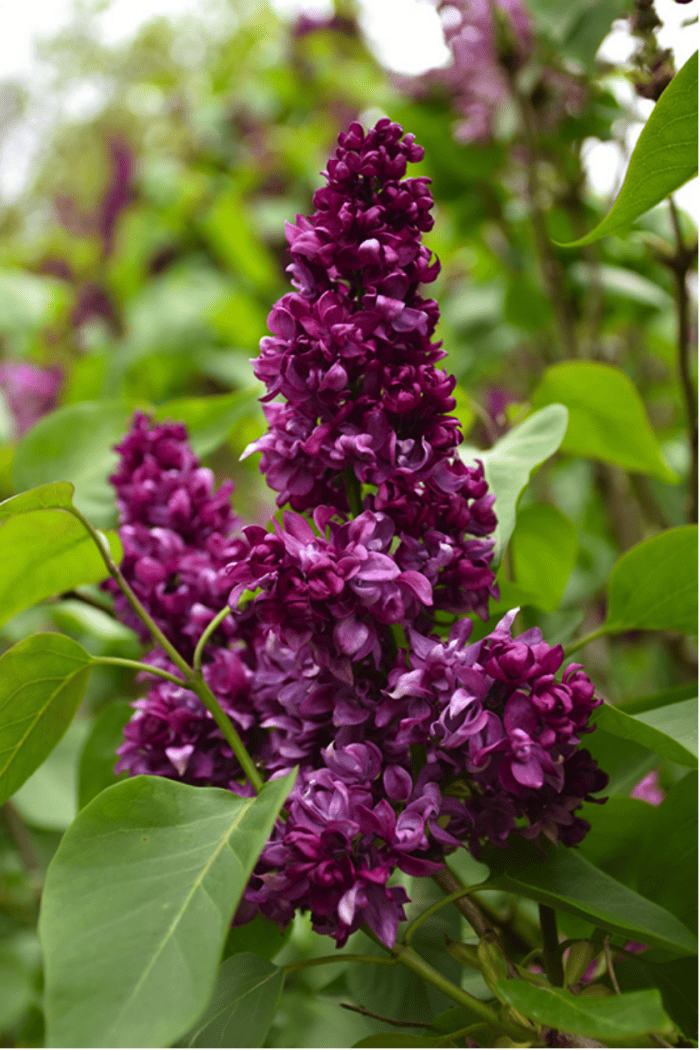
x=304, y=964
x=137, y=665
x=396, y=1021
x=600, y=632
x=551, y=951
x=208, y=631
x=449, y=899
x=194, y=679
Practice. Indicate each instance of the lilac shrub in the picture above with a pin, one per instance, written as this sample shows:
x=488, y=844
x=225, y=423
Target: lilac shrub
x=346, y=651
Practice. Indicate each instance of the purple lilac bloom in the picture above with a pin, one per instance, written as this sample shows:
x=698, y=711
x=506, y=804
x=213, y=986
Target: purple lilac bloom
x=353, y=358
x=308, y=665
x=483, y=35
x=30, y=392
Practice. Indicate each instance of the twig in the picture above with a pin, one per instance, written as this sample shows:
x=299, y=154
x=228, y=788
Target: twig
x=450, y=884
x=679, y=266
x=20, y=837
x=609, y=964
x=386, y=1020
x=549, y=263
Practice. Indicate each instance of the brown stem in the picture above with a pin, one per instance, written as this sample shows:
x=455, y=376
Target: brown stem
x=550, y=267
x=20, y=837
x=386, y=1020
x=466, y=906
x=609, y=964
x=679, y=265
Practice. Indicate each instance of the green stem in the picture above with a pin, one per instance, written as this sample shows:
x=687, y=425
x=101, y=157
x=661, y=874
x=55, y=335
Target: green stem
x=409, y=934
x=200, y=687
x=409, y=958
x=354, y=492
x=551, y=951
x=338, y=957
x=193, y=678
x=136, y=665
x=601, y=632
x=208, y=631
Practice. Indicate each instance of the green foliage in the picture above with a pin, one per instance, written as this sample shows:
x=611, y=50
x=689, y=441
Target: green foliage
x=665, y=157
x=670, y=732
x=42, y=682
x=161, y=866
x=607, y=418
x=46, y=552
x=616, y=1018
x=654, y=585
x=543, y=536
x=245, y=999
x=568, y=882
x=509, y=464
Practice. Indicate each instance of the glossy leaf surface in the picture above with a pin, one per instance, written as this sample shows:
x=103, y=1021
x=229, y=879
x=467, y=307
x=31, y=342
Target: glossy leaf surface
x=42, y=682
x=613, y=1018
x=46, y=552
x=566, y=881
x=137, y=903
x=682, y=722
x=607, y=417
x=665, y=157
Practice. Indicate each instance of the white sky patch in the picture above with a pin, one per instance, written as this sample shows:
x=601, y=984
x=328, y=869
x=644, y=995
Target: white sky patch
x=406, y=35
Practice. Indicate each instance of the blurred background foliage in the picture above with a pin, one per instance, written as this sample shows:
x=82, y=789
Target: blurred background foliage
x=138, y=267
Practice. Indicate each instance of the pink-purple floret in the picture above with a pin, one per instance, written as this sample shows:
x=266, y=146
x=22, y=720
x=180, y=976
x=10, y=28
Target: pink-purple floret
x=408, y=744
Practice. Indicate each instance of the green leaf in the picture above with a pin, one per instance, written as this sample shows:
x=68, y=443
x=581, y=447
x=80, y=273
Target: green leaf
x=261, y=936
x=16, y=982
x=617, y=828
x=676, y=979
x=511, y=461
x=42, y=682
x=543, y=548
x=625, y=763
x=49, y=799
x=607, y=418
x=566, y=881
x=665, y=157
x=614, y=1018
x=97, y=762
x=654, y=584
x=392, y=1039
x=74, y=444
x=228, y=227
x=636, y=705
x=137, y=903
x=245, y=1000
x=668, y=862
x=210, y=420
x=46, y=552
x=640, y=731
x=58, y=495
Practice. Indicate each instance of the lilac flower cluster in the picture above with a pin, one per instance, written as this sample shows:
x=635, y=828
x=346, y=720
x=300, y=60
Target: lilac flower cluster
x=351, y=354
x=408, y=743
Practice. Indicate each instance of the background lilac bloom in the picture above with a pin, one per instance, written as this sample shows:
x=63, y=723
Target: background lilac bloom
x=30, y=392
